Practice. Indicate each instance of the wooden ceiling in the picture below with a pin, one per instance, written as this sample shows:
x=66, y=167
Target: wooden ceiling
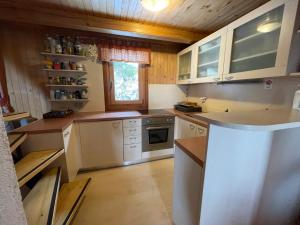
x=198, y=17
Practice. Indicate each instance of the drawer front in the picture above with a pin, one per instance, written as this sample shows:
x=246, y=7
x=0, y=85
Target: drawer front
x=133, y=131
x=132, y=140
x=132, y=123
x=132, y=152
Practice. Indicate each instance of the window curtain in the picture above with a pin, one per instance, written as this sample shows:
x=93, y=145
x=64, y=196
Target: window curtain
x=4, y=97
x=124, y=50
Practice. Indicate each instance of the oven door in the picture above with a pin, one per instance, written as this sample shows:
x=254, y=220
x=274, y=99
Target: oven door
x=158, y=137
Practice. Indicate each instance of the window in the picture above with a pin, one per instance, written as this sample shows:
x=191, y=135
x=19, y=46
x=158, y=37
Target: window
x=126, y=81
x=125, y=86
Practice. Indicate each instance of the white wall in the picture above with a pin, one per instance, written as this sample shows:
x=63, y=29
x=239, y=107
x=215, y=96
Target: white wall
x=162, y=96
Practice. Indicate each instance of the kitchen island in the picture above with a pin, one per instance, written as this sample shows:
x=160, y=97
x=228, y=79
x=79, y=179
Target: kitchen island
x=251, y=171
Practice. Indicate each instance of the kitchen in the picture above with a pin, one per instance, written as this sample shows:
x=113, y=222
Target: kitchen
x=150, y=112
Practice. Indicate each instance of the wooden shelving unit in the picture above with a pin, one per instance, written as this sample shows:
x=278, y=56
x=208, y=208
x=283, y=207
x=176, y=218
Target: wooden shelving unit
x=69, y=199
x=64, y=55
x=40, y=203
x=15, y=140
x=33, y=163
x=15, y=116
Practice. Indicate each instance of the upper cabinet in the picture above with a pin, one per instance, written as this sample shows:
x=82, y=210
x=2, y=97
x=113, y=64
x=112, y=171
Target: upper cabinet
x=210, y=57
x=185, y=69
x=259, y=44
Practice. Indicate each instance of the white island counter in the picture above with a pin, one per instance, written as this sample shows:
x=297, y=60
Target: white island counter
x=252, y=168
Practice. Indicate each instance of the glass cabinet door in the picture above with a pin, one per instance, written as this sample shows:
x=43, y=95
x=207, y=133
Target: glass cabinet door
x=208, y=58
x=255, y=43
x=185, y=66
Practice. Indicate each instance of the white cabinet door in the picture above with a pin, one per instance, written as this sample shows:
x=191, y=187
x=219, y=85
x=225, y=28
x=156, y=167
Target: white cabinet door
x=72, y=150
x=188, y=182
x=185, y=129
x=210, y=57
x=186, y=65
x=258, y=44
x=101, y=143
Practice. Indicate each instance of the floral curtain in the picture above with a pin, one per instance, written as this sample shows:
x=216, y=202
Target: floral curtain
x=123, y=50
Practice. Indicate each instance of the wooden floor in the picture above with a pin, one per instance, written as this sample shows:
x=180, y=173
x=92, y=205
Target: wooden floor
x=132, y=195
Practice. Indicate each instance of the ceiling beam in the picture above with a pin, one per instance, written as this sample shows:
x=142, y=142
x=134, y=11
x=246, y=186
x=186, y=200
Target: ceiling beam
x=73, y=20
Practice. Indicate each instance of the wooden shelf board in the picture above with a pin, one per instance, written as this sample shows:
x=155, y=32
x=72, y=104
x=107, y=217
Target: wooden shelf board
x=209, y=49
x=209, y=63
x=65, y=71
x=64, y=55
x=40, y=203
x=254, y=56
x=66, y=86
x=15, y=116
x=69, y=198
x=258, y=34
x=68, y=100
x=15, y=140
x=34, y=162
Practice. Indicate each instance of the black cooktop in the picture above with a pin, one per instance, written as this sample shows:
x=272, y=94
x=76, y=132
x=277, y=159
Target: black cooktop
x=155, y=112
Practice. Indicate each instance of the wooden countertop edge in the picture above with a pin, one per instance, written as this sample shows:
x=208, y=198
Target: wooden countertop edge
x=194, y=145
x=77, y=119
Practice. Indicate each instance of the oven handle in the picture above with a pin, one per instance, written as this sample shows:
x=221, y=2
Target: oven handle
x=154, y=128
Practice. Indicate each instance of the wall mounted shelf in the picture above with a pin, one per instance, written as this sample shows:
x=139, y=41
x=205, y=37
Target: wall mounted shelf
x=64, y=55
x=66, y=86
x=68, y=100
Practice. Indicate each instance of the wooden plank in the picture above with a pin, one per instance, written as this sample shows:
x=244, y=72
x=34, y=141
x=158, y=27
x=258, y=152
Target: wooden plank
x=15, y=116
x=69, y=198
x=15, y=140
x=40, y=203
x=59, y=18
x=33, y=163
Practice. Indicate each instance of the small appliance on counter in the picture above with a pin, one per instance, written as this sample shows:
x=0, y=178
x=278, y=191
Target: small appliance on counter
x=58, y=114
x=188, y=107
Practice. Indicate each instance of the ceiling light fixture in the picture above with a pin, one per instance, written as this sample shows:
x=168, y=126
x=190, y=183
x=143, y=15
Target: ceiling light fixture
x=155, y=5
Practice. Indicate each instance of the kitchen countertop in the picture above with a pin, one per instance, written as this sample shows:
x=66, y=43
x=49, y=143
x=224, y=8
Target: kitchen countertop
x=195, y=147
x=254, y=120
x=59, y=124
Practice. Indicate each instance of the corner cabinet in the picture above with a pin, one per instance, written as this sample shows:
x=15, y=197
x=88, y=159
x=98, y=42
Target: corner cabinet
x=259, y=44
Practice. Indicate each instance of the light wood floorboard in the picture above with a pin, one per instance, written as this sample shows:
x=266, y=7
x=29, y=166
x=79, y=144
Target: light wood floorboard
x=134, y=195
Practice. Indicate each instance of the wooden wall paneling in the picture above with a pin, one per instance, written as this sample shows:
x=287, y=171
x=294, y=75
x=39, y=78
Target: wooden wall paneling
x=163, y=68
x=25, y=80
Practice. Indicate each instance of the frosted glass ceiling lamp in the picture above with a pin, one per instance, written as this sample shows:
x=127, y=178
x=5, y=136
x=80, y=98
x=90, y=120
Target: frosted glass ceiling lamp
x=155, y=5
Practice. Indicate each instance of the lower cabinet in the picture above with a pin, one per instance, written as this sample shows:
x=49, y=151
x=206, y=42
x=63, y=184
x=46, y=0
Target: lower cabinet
x=186, y=129
x=132, y=131
x=101, y=143
x=188, y=180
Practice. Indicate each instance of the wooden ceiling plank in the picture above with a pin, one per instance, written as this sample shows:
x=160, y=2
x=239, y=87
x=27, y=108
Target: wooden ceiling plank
x=58, y=18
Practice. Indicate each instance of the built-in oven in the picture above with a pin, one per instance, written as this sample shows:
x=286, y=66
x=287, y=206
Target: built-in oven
x=157, y=135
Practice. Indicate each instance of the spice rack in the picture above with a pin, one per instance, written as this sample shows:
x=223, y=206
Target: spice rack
x=66, y=85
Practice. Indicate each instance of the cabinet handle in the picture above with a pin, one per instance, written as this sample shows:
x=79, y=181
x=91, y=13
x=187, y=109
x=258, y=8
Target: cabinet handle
x=67, y=133
x=200, y=130
x=192, y=126
x=229, y=78
x=133, y=146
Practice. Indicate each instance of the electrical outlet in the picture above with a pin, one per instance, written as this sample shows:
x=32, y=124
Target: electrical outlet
x=268, y=84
